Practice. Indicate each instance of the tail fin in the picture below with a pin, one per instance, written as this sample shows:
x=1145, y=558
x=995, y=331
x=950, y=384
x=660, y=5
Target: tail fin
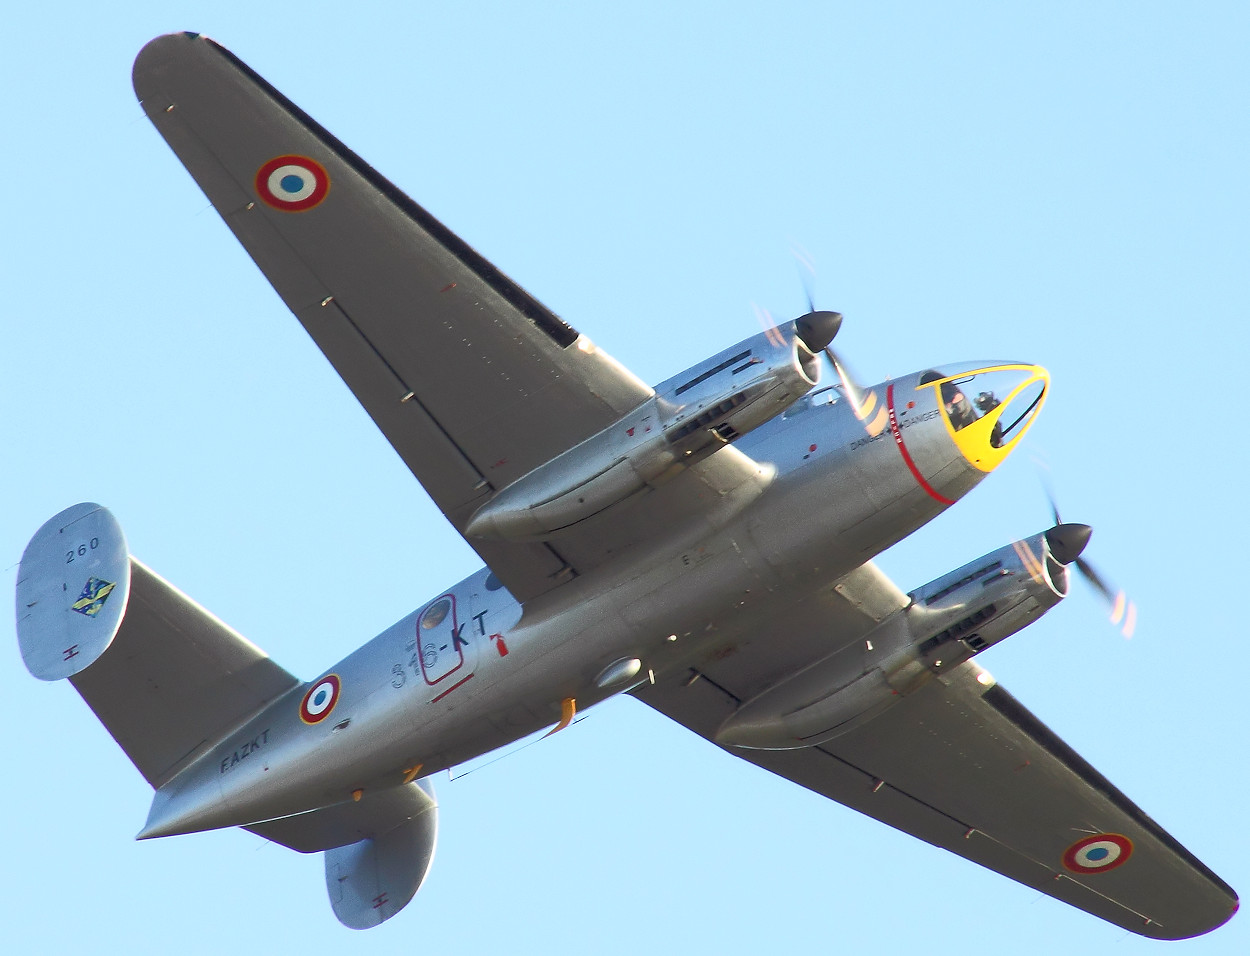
x=377, y=851
x=169, y=681
x=164, y=676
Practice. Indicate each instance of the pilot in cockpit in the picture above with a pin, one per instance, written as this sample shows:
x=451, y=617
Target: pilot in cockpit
x=986, y=403
x=958, y=409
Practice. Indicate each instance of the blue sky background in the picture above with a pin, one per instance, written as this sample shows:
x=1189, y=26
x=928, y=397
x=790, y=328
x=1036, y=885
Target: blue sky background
x=1063, y=183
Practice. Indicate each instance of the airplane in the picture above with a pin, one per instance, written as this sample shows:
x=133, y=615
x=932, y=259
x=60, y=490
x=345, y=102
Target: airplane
x=705, y=545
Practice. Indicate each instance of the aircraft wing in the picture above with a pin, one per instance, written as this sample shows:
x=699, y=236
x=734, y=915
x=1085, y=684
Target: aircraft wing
x=961, y=764
x=472, y=380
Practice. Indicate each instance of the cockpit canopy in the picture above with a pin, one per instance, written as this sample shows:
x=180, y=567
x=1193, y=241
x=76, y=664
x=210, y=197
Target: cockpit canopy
x=988, y=406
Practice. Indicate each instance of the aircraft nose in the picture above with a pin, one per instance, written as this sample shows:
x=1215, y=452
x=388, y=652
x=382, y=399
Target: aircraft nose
x=988, y=408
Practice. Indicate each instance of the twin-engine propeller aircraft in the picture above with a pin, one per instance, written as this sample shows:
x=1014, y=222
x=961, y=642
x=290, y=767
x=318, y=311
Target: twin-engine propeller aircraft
x=704, y=545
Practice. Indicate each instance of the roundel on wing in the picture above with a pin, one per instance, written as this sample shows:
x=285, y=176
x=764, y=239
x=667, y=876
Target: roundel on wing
x=1099, y=853
x=292, y=183
x=320, y=699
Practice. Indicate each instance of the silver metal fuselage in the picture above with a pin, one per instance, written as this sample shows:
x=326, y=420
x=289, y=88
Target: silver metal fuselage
x=436, y=690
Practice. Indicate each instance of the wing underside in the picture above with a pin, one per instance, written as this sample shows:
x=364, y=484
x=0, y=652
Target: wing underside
x=472, y=380
x=961, y=764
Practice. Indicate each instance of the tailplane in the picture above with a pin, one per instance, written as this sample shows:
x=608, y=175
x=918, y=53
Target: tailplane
x=170, y=681
x=165, y=677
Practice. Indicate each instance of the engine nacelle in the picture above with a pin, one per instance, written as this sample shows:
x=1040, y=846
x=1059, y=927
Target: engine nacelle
x=687, y=418
x=948, y=621
x=966, y=611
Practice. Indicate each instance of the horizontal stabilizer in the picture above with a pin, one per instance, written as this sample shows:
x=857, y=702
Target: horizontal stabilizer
x=377, y=850
x=164, y=676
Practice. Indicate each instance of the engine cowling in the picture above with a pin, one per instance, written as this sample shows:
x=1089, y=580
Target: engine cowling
x=947, y=622
x=688, y=417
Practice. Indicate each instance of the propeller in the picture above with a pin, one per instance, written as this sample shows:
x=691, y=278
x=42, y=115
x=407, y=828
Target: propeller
x=817, y=328
x=1067, y=542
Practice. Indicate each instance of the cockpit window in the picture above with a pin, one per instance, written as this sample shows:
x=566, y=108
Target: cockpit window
x=963, y=409
x=1017, y=416
x=958, y=408
x=988, y=407
x=970, y=398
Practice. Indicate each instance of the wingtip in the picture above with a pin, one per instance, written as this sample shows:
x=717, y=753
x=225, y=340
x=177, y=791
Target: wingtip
x=1191, y=933
x=169, y=39
x=1231, y=913
x=161, y=54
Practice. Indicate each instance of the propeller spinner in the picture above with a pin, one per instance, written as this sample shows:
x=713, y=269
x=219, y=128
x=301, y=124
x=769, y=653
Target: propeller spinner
x=1066, y=543
x=817, y=329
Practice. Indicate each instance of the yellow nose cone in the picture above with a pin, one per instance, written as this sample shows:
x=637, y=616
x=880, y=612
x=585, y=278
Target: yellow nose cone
x=988, y=410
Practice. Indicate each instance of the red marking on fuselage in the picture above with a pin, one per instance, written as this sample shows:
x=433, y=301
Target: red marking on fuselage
x=380, y=900
x=448, y=287
x=500, y=645
x=459, y=683
x=70, y=651
x=911, y=465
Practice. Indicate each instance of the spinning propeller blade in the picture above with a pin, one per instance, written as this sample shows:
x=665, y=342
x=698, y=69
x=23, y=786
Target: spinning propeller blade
x=819, y=321
x=1066, y=542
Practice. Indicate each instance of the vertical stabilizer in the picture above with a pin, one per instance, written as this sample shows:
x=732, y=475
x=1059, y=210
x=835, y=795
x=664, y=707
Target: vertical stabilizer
x=72, y=589
x=167, y=678
x=377, y=851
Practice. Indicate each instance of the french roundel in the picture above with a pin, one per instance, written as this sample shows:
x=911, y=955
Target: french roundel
x=1097, y=854
x=320, y=699
x=292, y=183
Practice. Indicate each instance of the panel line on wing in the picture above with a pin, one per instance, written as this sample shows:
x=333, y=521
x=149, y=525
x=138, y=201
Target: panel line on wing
x=875, y=780
x=565, y=570
x=700, y=675
x=543, y=318
x=408, y=393
x=879, y=782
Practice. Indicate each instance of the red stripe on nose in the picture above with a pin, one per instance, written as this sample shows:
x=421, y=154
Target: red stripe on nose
x=898, y=440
